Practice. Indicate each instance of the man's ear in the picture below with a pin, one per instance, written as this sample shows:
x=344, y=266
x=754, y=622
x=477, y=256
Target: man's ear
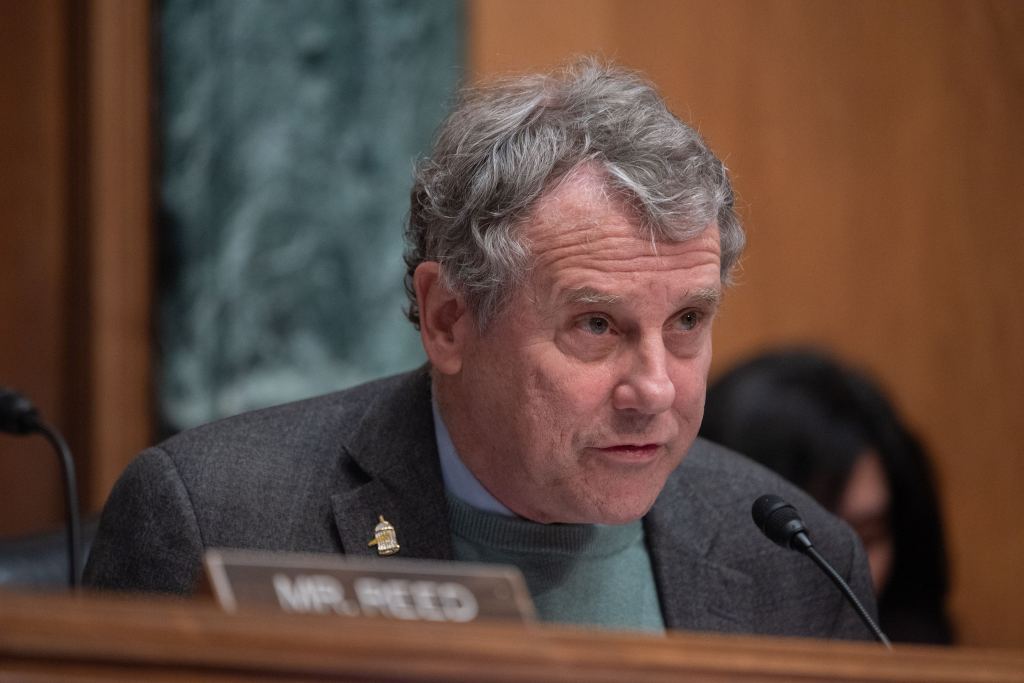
x=444, y=319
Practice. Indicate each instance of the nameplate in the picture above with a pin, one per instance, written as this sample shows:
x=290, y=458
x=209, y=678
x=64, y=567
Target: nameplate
x=392, y=588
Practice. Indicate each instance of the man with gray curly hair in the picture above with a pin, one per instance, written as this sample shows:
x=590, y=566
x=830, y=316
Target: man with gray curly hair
x=568, y=245
x=568, y=241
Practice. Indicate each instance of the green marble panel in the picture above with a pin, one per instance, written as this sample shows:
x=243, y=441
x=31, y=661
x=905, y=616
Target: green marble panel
x=287, y=134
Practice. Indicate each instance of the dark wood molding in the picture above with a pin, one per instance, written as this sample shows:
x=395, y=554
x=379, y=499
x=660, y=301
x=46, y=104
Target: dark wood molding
x=116, y=180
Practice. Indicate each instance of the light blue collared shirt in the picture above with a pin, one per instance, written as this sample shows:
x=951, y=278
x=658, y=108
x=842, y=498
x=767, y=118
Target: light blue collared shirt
x=458, y=480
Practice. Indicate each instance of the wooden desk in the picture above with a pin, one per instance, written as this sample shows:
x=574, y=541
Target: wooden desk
x=89, y=638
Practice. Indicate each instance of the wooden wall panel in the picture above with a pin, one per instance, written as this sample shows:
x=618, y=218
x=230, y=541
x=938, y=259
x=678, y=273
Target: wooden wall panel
x=876, y=150
x=118, y=216
x=33, y=253
x=75, y=257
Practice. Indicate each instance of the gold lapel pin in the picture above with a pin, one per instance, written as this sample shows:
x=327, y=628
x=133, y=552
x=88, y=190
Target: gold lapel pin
x=384, y=538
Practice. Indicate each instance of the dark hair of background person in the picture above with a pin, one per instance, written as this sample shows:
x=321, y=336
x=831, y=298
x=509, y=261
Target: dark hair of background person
x=808, y=418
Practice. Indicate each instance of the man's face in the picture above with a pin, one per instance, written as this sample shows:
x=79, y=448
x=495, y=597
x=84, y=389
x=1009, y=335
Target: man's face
x=580, y=398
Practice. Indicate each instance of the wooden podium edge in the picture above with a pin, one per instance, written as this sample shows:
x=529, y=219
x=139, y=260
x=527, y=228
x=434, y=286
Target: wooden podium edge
x=93, y=636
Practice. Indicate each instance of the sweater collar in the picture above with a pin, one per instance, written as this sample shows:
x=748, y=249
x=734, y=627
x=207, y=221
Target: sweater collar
x=521, y=536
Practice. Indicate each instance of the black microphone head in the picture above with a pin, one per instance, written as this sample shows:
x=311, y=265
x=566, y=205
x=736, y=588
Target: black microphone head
x=17, y=414
x=780, y=522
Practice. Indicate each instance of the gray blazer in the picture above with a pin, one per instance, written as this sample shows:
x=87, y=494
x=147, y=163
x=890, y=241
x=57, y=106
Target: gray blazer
x=313, y=476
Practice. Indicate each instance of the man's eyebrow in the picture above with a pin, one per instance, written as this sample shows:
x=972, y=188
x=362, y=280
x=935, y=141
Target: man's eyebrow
x=709, y=296
x=589, y=295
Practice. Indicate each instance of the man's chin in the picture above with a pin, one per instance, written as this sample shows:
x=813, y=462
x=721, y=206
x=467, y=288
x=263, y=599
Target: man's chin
x=616, y=517
x=622, y=517
x=617, y=502
x=622, y=512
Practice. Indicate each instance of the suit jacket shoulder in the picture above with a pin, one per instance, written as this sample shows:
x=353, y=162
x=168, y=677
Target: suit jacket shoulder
x=720, y=573
x=309, y=476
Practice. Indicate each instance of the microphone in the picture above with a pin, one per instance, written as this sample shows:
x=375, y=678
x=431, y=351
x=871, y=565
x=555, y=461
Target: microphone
x=781, y=523
x=18, y=416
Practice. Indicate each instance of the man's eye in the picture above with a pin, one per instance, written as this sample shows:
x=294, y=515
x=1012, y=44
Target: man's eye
x=689, y=320
x=596, y=325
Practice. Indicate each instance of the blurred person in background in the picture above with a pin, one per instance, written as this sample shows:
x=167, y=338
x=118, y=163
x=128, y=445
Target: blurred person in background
x=831, y=431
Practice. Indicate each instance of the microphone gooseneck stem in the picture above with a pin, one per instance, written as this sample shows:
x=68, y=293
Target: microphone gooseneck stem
x=811, y=552
x=67, y=466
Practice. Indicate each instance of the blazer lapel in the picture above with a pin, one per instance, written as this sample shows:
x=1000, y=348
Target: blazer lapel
x=396, y=450
x=696, y=593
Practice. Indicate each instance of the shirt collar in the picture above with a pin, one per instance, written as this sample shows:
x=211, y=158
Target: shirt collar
x=458, y=480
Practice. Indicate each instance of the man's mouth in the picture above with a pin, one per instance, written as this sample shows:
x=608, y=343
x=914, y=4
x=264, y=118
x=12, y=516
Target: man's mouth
x=630, y=451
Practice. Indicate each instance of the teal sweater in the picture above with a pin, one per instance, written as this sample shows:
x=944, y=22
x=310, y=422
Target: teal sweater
x=587, y=574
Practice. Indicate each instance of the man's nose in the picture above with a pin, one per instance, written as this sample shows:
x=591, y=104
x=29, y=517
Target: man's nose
x=646, y=386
